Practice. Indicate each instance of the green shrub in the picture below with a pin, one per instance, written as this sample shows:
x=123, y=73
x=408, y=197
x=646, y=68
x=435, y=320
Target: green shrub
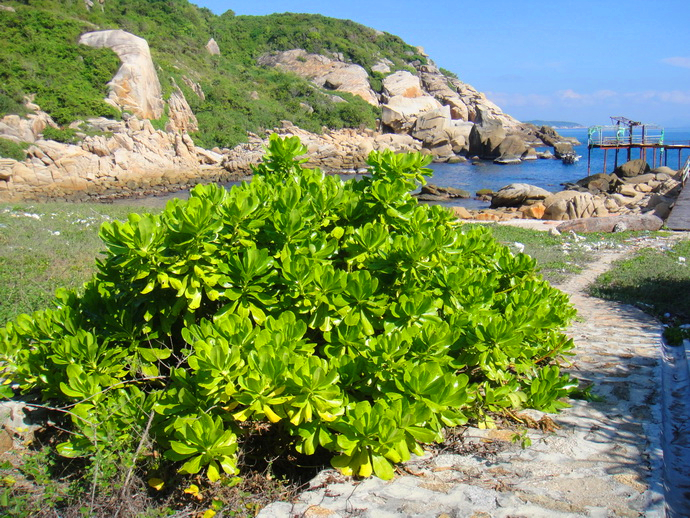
x=343, y=315
x=66, y=135
x=448, y=73
x=11, y=149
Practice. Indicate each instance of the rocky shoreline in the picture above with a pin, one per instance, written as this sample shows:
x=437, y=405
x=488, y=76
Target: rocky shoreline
x=131, y=159
x=422, y=109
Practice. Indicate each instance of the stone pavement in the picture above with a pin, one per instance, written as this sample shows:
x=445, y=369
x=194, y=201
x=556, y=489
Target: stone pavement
x=603, y=458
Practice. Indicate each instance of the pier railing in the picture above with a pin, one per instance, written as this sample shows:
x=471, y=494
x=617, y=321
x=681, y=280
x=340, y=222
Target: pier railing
x=685, y=172
x=636, y=140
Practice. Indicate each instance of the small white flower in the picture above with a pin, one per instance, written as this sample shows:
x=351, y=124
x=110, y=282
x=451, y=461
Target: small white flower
x=681, y=259
x=55, y=232
x=519, y=247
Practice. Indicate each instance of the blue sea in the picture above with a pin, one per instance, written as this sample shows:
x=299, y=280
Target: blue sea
x=545, y=173
x=549, y=174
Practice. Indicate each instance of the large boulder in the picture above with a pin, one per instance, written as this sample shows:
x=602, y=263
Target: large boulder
x=567, y=205
x=458, y=138
x=518, y=194
x=485, y=138
x=597, y=183
x=402, y=83
x=400, y=113
x=632, y=168
x=212, y=47
x=561, y=149
x=135, y=87
x=431, y=125
x=437, y=85
x=431, y=192
x=324, y=72
x=511, y=148
x=613, y=224
x=181, y=116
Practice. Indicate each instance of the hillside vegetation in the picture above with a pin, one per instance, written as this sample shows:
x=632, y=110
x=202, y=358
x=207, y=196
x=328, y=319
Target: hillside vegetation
x=39, y=55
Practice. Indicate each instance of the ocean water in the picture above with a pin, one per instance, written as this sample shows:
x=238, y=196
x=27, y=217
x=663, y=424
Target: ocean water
x=549, y=174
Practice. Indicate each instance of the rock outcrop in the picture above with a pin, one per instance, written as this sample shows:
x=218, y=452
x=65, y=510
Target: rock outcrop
x=436, y=109
x=127, y=157
x=343, y=151
x=613, y=224
x=632, y=168
x=212, y=47
x=325, y=72
x=597, y=196
x=135, y=87
x=518, y=194
x=485, y=137
x=18, y=129
x=181, y=116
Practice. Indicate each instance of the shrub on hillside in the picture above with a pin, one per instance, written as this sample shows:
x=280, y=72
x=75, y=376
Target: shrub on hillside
x=11, y=149
x=343, y=316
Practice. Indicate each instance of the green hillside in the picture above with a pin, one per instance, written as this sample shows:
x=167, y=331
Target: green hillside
x=39, y=55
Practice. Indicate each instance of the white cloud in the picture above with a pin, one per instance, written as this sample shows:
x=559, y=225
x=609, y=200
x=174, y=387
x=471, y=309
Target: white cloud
x=573, y=97
x=681, y=62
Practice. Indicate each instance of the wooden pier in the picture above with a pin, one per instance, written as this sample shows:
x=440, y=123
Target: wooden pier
x=621, y=136
x=649, y=139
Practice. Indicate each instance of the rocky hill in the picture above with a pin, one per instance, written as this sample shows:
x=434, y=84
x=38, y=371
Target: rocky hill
x=102, y=96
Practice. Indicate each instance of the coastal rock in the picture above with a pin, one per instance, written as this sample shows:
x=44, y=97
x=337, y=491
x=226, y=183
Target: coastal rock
x=343, y=150
x=664, y=170
x=596, y=183
x=430, y=126
x=25, y=129
x=530, y=154
x=458, y=138
x=135, y=87
x=612, y=224
x=324, y=72
x=444, y=192
x=383, y=66
x=404, y=84
x=511, y=148
x=436, y=84
x=485, y=138
x=479, y=107
x=535, y=211
x=195, y=87
x=462, y=213
x=133, y=156
x=400, y=113
x=518, y=194
x=566, y=205
x=561, y=149
x=181, y=116
x=632, y=168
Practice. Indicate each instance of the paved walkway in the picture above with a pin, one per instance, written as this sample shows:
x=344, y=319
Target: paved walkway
x=604, y=459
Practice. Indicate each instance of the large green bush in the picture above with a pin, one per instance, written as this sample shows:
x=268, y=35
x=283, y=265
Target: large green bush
x=344, y=316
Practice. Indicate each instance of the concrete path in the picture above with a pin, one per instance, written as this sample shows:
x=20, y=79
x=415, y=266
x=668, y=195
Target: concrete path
x=602, y=458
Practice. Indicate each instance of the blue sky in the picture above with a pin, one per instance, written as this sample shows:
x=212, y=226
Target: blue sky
x=580, y=61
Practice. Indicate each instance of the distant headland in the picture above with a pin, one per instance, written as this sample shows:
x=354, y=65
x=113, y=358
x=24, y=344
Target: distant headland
x=556, y=124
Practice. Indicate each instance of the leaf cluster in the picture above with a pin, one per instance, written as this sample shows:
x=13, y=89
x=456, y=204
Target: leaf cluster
x=344, y=315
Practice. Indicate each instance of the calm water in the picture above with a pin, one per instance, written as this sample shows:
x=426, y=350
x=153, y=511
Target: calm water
x=548, y=174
